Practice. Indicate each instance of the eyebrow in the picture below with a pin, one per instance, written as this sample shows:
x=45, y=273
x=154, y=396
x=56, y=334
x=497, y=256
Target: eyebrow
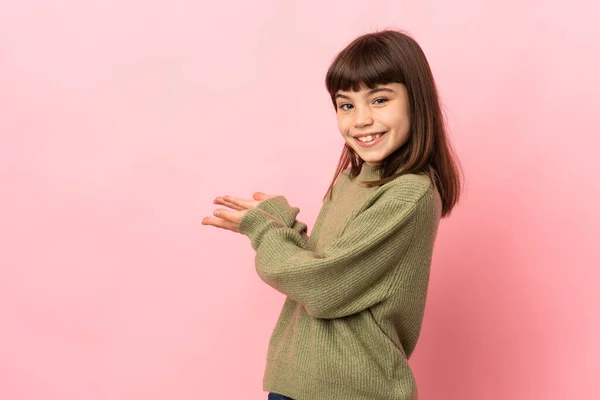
x=370, y=92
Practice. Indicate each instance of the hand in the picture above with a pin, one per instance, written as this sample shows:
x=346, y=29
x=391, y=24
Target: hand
x=241, y=204
x=228, y=219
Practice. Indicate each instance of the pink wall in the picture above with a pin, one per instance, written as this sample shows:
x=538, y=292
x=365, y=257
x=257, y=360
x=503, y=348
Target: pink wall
x=120, y=121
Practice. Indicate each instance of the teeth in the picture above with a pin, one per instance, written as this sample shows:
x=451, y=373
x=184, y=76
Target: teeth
x=369, y=138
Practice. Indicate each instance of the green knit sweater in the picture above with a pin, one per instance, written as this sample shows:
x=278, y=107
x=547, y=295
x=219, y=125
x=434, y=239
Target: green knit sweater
x=356, y=288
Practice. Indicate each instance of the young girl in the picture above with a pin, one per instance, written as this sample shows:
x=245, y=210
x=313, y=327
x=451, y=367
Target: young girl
x=356, y=288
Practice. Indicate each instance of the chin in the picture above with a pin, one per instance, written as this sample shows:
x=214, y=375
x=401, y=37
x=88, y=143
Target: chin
x=374, y=163
x=371, y=160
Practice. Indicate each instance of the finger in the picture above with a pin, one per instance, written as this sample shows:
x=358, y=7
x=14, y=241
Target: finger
x=220, y=223
x=223, y=202
x=236, y=207
x=228, y=215
x=243, y=203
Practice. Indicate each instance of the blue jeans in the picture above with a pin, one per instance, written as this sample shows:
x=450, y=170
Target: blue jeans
x=275, y=396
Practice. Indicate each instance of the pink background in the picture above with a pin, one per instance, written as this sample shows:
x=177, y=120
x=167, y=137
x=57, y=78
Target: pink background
x=121, y=120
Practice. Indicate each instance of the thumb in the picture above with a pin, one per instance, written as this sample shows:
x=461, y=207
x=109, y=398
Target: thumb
x=260, y=196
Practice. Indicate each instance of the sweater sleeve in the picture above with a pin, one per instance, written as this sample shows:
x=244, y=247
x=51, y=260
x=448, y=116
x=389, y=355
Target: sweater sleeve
x=279, y=208
x=347, y=276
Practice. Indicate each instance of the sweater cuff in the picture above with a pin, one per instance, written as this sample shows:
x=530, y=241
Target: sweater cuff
x=279, y=208
x=256, y=223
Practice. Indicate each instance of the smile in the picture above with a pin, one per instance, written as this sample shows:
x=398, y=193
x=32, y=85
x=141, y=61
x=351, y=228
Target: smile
x=370, y=140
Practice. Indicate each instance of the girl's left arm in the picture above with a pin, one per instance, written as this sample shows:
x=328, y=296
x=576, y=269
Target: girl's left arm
x=279, y=207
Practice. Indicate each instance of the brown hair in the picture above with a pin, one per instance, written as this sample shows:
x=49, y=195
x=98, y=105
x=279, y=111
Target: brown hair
x=391, y=56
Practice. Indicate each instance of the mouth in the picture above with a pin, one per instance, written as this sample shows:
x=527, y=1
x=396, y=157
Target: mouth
x=369, y=139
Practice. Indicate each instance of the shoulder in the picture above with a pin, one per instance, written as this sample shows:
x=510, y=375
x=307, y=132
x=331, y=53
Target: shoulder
x=419, y=193
x=410, y=188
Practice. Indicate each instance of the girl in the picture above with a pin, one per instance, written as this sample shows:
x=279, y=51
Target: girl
x=356, y=288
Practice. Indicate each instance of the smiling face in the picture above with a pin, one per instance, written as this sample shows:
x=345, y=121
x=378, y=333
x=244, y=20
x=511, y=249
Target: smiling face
x=374, y=122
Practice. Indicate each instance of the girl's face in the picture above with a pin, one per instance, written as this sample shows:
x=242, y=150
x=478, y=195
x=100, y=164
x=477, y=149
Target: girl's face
x=374, y=122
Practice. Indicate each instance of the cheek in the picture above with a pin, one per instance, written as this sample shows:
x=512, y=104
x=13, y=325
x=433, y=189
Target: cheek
x=342, y=124
x=395, y=118
x=400, y=125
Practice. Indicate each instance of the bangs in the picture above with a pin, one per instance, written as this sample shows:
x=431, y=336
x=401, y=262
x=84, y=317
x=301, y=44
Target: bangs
x=364, y=64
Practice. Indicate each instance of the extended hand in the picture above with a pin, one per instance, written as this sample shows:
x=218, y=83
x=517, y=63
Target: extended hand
x=230, y=219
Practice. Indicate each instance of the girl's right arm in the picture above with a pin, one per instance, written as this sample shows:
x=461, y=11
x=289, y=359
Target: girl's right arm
x=348, y=275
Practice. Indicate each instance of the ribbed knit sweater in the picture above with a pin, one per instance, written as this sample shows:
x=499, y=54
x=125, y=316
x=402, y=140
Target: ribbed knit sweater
x=356, y=288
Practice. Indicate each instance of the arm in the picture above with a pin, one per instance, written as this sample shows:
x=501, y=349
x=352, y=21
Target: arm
x=279, y=208
x=344, y=278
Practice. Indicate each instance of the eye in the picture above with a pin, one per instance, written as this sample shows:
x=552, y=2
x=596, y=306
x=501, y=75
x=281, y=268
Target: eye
x=380, y=100
x=344, y=106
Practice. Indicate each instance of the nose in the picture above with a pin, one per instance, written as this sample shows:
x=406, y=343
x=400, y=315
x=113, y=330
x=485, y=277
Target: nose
x=362, y=117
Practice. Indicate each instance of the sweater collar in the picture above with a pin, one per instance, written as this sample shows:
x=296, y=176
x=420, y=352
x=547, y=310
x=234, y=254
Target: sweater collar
x=370, y=173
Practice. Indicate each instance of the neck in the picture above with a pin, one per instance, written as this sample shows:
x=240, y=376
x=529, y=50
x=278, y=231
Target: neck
x=370, y=172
